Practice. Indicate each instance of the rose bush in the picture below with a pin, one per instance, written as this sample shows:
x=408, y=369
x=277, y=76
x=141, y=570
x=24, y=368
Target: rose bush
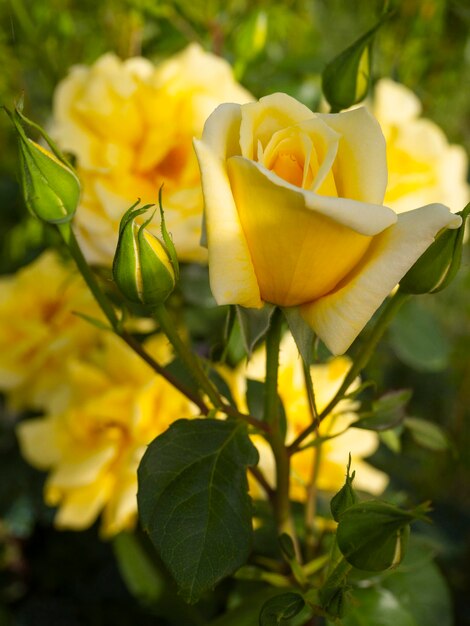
x=294, y=214
x=422, y=166
x=130, y=124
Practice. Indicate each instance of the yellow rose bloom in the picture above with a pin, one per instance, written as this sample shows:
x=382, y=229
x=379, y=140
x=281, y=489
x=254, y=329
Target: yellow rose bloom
x=130, y=125
x=334, y=453
x=294, y=214
x=422, y=166
x=39, y=330
x=114, y=407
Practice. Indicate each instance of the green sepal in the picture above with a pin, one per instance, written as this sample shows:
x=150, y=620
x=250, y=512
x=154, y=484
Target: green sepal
x=157, y=282
x=170, y=247
x=346, y=79
x=438, y=266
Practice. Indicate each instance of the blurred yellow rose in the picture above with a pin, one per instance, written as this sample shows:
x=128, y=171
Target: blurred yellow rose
x=92, y=444
x=422, y=166
x=334, y=453
x=130, y=125
x=39, y=330
x=294, y=214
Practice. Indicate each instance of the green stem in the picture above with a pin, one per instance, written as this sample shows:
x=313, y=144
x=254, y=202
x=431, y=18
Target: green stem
x=189, y=359
x=88, y=276
x=311, y=501
x=109, y=312
x=272, y=417
x=362, y=358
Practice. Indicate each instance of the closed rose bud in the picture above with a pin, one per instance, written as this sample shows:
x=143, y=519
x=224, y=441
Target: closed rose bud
x=51, y=190
x=437, y=267
x=144, y=268
x=345, y=80
x=372, y=535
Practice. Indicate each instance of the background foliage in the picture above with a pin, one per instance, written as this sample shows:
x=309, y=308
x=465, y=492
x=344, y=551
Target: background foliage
x=55, y=578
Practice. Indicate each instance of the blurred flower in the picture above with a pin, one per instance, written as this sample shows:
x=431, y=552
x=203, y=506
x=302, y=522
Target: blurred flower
x=39, y=330
x=422, y=166
x=130, y=126
x=294, y=214
x=93, y=443
x=334, y=453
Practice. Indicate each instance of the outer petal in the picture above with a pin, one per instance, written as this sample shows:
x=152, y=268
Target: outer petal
x=38, y=442
x=363, y=217
x=232, y=276
x=340, y=316
x=361, y=165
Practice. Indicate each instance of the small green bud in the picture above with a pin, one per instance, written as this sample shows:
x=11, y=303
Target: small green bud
x=439, y=264
x=345, y=497
x=51, y=189
x=143, y=266
x=372, y=535
x=346, y=79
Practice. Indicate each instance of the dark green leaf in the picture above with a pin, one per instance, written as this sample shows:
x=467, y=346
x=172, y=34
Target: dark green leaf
x=280, y=608
x=141, y=576
x=193, y=500
x=427, y=434
x=377, y=607
x=417, y=338
x=387, y=412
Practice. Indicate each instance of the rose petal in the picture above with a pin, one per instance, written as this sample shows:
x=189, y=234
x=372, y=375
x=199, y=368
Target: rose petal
x=260, y=120
x=360, y=167
x=340, y=316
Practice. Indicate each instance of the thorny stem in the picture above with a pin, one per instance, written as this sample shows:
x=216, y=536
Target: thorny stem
x=362, y=358
x=311, y=501
x=272, y=417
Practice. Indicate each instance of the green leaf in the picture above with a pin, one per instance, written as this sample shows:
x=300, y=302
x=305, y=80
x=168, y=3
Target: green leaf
x=417, y=338
x=142, y=578
x=280, y=608
x=387, y=412
x=427, y=434
x=253, y=323
x=302, y=333
x=422, y=591
x=193, y=501
x=377, y=607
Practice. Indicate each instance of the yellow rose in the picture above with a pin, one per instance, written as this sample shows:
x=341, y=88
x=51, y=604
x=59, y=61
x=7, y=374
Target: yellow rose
x=39, y=330
x=294, y=214
x=93, y=443
x=334, y=453
x=422, y=166
x=130, y=126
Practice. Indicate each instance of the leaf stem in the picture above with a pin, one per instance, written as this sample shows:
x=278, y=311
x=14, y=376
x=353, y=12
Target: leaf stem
x=190, y=360
x=362, y=358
